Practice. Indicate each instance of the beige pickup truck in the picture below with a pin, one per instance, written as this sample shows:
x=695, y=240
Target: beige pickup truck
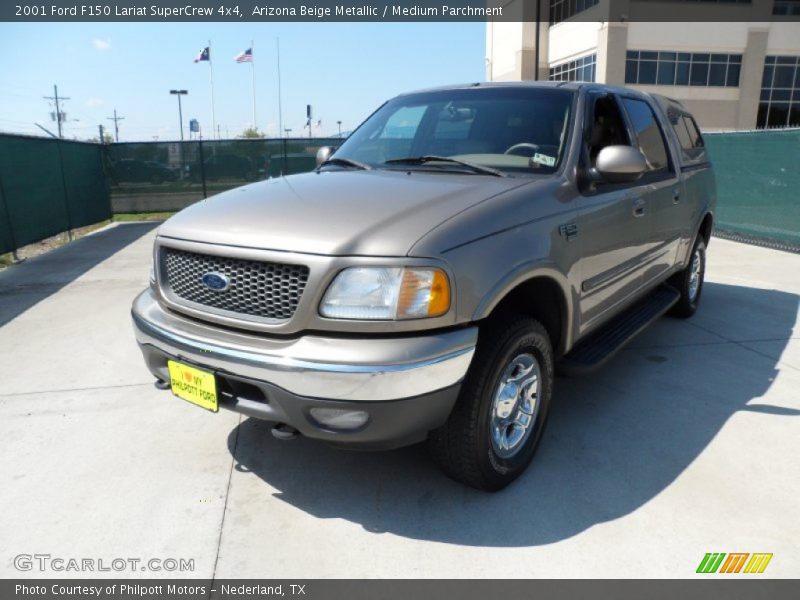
x=431, y=275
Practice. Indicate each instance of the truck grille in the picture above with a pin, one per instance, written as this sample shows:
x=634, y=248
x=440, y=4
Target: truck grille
x=259, y=289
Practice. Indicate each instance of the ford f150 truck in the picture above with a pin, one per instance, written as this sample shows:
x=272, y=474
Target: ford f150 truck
x=432, y=274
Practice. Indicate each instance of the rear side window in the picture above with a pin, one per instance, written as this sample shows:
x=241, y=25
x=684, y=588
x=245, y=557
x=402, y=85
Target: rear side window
x=692, y=145
x=648, y=133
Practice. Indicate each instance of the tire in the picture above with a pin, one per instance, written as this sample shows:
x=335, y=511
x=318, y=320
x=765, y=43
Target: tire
x=468, y=447
x=684, y=281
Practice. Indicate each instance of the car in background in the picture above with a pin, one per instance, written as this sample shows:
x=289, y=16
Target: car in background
x=131, y=170
x=224, y=166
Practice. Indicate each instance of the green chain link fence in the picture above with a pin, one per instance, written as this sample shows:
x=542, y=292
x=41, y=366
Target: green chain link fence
x=48, y=186
x=167, y=176
x=758, y=185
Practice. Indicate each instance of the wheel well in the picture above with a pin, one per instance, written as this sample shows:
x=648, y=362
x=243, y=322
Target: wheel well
x=542, y=299
x=705, y=227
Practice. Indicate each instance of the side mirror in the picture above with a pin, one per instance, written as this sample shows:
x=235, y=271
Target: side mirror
x=324, y=154
x=620, y=164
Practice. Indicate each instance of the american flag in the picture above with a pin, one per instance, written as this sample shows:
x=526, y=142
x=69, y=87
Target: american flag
x=246, y=56
x=205, y=54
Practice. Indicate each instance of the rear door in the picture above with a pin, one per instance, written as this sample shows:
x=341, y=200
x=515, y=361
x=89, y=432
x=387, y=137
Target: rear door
x=662, y=192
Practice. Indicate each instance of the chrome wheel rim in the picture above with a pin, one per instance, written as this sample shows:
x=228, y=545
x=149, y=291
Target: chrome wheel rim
x=515, y=405
x=694, y=275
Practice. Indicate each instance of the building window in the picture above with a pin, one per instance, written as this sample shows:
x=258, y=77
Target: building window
x=682, y=68
x=561, y=10
x=581, y=69
x=786, y=7
x=780, y=93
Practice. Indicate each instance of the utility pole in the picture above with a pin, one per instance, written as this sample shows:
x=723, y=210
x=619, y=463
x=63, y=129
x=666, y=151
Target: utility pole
x=102, y=133
x=59, y=118
x=116, y=120
x=339, y=123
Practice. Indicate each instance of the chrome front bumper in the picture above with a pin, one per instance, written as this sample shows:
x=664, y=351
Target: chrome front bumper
x=332, y=368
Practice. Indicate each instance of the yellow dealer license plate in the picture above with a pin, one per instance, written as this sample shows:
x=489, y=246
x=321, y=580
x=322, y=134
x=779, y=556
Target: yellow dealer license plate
x=194, y=385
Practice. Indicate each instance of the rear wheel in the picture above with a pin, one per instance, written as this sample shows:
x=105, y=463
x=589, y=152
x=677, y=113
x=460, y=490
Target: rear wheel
x=497, y=422
x=689, y=282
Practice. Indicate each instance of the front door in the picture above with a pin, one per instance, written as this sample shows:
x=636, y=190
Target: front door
x=614, y=221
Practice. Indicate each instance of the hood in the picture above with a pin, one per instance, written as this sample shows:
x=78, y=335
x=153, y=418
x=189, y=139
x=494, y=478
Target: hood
x=336, y=213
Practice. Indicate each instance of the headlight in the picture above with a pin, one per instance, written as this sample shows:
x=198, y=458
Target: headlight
x=387, y=293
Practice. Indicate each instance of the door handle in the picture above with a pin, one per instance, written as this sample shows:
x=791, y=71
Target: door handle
x=638, y=207
x=676, y=196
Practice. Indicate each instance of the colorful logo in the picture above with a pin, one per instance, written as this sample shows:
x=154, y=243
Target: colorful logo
x=734, y=562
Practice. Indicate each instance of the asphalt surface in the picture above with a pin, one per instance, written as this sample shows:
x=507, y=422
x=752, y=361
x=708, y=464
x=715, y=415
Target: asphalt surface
x=687, y=442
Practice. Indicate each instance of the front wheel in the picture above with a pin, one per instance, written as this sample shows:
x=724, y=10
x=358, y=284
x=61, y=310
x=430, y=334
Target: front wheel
x=689, y=282
x=497, y=422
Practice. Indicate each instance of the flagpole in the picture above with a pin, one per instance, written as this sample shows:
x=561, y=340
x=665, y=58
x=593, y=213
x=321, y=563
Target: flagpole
x=253, y=74
x=211, y=76
x=280, y=114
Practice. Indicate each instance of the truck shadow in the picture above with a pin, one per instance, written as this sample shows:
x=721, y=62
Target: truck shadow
x=615, y=440
x=24, y=285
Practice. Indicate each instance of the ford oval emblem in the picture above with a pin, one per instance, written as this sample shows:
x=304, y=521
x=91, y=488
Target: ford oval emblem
x=216, y=282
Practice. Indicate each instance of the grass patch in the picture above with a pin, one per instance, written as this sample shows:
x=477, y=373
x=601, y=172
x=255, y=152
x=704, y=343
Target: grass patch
x=148, y=216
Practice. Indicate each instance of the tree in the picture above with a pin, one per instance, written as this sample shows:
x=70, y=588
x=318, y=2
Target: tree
x=107, y=139
x=252, y=133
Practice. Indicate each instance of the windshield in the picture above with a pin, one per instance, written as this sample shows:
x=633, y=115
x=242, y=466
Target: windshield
x=512, y=130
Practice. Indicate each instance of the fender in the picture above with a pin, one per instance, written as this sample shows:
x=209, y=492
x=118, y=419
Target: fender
x=526, y=272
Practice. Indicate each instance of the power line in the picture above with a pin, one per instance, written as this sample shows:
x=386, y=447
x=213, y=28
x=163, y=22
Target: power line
x=116, y=120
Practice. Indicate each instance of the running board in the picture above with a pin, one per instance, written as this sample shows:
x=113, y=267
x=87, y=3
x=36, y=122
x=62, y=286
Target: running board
x=592, y=352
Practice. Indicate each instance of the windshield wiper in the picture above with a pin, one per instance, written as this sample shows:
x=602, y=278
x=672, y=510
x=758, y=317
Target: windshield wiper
x=345, y=162
x=420, y=160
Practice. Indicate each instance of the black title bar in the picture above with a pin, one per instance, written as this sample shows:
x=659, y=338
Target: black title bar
x=397, y=10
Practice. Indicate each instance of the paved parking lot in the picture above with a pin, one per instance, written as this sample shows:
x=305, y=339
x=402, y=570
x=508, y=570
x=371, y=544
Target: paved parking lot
x=686, y=443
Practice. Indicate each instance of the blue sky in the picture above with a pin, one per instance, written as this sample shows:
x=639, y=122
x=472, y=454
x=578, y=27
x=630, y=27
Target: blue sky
x=344, y=70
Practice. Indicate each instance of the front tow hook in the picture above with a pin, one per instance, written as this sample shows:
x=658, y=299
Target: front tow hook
x=282, y=431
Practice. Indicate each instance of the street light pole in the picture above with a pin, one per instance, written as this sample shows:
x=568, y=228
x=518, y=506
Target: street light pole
x=179, y=93
x=339, y=123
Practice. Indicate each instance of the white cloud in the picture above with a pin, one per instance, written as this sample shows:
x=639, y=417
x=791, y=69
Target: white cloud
x=101, y=44
x=93, y=102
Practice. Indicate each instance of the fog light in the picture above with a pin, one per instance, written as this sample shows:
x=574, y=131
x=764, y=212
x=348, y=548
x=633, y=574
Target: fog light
x=339, y=418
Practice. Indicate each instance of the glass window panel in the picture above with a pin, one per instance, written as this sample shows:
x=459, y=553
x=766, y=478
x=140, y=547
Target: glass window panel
x=666, y=73
x=784, y=77
x=685, y=56
x=766, y=80
x=719, y=58
x=699, y=75
x=667, y=55
x=700, y=57
x=787, y=60
x=765, y=95
x=647, y=72
x=736, y=58
x=778, y=114
x=682, y=74
x=632, y=54
x=651, y=141
x=649, y=55
x=631, y=67
x=770, y=60
x=733, y=75
x=716, y=75
x=781, y=95
x=794, y=115
x=761, y=119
